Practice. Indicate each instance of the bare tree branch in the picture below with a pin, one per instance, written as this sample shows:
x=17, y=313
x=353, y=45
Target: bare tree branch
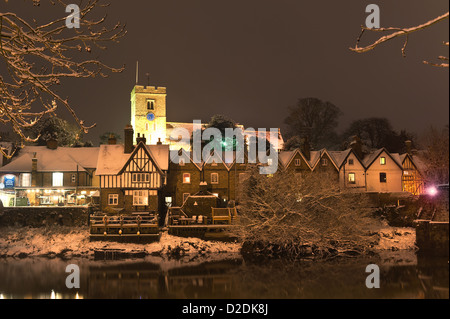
x=396, y=32
x=37, y=58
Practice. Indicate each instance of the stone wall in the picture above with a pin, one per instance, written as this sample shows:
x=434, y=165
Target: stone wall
x=432, y=237
x=43, y=216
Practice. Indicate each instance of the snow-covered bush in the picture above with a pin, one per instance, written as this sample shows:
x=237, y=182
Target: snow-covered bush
x=298, y=213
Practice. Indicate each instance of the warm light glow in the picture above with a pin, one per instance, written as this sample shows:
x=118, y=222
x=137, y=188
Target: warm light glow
x=432, y=191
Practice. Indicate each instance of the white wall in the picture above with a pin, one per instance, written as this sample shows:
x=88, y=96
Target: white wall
x=393, y=176
x=356, y=168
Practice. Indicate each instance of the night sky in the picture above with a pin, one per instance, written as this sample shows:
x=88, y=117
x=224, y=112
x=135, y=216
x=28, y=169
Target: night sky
x=251, y=59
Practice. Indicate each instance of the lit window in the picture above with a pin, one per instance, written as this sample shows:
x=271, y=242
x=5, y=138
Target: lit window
x=26, y=180
x=214, y=178
x=186, y=178
x=74, y=178
x=140, y=177
x=350, y=161
x=269, y=162
x=140, y=198
x=298, y=162
x=383, y=160
x=324, y=162
x=113, y=199
x=58, y=179
x=383, y=178
x=351, y=178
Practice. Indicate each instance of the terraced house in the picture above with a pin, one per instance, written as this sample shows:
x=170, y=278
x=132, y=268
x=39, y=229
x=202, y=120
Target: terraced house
x=139, y=175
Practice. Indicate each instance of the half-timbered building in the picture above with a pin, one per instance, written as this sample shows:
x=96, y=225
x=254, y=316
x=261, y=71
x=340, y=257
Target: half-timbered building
x=132, y=181
x=412, y=179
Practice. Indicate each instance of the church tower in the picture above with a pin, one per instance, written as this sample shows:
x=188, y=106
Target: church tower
x=148, y=113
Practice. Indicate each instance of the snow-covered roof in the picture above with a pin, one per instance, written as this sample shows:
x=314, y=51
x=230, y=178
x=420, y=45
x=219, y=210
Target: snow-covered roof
x=339, y=156
x=419, y=162
x=62, y=159
x=251, y=133
x=314, y=157
x=371, y=157
x=398, y=158
x=285, y=157
x=112, y=159
x=160, y=154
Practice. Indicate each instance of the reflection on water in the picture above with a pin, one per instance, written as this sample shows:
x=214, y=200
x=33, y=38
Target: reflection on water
x=420, y=277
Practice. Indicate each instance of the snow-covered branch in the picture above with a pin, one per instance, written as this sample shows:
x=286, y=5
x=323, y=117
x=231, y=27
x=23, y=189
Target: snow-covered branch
x=37, y=57
x=394, y=33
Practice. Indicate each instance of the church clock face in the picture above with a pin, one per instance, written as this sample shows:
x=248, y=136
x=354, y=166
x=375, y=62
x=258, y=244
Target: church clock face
x=150, y=116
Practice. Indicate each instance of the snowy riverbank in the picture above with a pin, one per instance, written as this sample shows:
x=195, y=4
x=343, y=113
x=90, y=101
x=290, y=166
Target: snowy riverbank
x=69, y=242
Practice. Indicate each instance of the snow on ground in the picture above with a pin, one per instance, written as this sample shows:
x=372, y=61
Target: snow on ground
x=396, y=238
x=73, y=242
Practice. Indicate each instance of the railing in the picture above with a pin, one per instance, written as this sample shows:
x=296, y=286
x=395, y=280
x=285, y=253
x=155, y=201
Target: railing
x=124, y=225
x=219, y=216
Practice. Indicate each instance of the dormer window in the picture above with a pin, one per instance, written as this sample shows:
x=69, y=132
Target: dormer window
x=350, y=161
x=324, y=162
x=298, y=162
x=383, y=160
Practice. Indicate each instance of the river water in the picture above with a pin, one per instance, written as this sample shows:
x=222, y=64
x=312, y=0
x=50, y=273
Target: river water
x=401, y=276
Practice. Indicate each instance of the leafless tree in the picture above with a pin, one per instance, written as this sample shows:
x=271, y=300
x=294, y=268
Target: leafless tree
x=36, y=57
x=291, y=211
x=392, y=33
x=436, y=156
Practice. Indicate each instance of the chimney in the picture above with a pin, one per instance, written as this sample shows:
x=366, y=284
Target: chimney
x=52, y=144
x=306, y=150
x=159, y=141
x=128, y=147
x=112, y=140
x=34, y=162
x=140, y=138
x=203, y=188
x=356, y=146
x=408, y=147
